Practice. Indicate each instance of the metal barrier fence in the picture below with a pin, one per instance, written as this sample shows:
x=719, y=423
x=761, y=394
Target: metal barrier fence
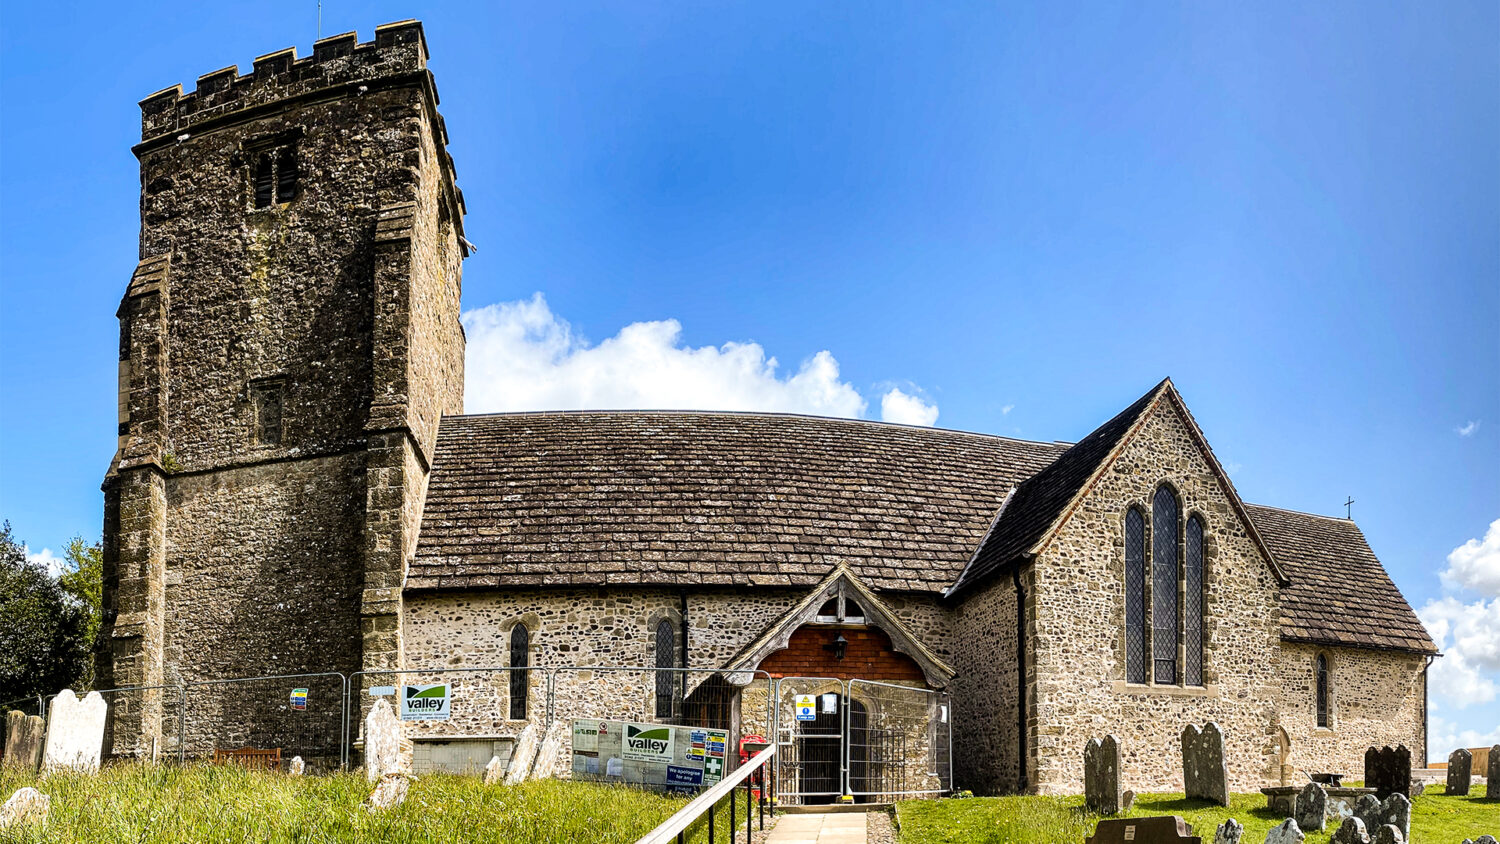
x=298, y=714
x=36, y=705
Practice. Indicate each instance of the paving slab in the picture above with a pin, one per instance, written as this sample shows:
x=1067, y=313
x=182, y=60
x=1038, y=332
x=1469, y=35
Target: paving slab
x=822, y=828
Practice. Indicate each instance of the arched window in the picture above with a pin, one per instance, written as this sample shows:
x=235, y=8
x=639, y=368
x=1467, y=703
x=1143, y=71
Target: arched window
x=1192, y=602
x=1323, y=719
x=520, y=658
x=1135, y=597
x=1164, y=586
x=666, y=658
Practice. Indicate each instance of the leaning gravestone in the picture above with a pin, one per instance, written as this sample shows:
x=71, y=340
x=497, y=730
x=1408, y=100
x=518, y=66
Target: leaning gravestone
x=1168, y=829
x=1229, y=832
x=1286, y=833
x=382, y=742
x=1102, y=792
x=75, y=732
x=1351, y=832
x=24, y=737
x=1388, y=771
x=390, y=792
x=1204, y=774
x=1460, y=772
x=494, y=771
x=1312, y=808
x=1492, y=775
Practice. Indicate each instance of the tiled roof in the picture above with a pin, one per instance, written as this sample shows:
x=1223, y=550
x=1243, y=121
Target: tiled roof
x=1041, y=499
x=1339, y=592
x=708, y=498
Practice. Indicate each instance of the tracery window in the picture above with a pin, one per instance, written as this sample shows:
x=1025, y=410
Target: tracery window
x=1164, y=517
x=1322, y=691
x=666, y=659
x=1192, y=603
x=1135, y=596
x=520, y=659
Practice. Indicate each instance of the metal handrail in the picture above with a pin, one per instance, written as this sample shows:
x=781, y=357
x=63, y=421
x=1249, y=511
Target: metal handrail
x=674, y=827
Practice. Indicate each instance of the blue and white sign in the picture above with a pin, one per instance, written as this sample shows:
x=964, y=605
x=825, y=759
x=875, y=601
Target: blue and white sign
x=684, y=776
x=807, y=707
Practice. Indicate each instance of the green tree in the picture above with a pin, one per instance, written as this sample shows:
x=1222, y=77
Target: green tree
x=45, y=641
x=83, y=579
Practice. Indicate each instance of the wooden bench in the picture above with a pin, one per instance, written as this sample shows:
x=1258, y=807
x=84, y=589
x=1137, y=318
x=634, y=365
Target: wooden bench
x=250, y=757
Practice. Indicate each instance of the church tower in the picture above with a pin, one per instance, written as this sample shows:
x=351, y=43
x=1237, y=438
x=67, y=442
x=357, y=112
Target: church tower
x=289, y=342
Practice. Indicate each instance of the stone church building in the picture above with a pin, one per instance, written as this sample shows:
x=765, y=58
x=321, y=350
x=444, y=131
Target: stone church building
x=296, y=488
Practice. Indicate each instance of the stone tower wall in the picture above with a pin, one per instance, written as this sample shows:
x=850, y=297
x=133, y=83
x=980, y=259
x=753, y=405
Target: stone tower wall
x=283, y=368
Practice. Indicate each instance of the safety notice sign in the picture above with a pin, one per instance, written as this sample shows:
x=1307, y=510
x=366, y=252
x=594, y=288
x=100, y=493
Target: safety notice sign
x=807, y=707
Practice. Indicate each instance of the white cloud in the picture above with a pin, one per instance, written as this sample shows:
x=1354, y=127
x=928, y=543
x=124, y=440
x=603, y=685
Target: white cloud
x=522, y=356
x=1469, y=429
x=1476, y=564
x=1444, y=736
x=896, y=406
x=1469, y=637
x=1005, y=411
x=44, y=558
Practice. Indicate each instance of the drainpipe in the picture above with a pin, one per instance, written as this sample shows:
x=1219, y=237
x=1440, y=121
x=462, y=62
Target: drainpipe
x=1425, y=751
x=1021, y=748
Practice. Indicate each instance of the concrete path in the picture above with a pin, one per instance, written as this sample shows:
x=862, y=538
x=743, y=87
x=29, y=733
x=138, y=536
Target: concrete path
x=830, y=828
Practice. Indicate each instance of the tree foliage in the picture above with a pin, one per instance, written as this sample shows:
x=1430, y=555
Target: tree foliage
x=47, y=623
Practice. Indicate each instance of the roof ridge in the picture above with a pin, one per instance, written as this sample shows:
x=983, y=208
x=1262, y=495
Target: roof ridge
x=1301, y=513
x=1056, y=444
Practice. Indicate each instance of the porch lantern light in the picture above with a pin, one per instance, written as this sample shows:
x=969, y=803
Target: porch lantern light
x=838, y=646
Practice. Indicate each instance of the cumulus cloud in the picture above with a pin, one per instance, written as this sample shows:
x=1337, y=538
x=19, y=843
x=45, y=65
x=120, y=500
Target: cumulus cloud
x=1469, y=637
x=1444, y=736
x=522, y=356
x=1476, y=564
x=45, y=559
x=1468, y=429
x=896, y=406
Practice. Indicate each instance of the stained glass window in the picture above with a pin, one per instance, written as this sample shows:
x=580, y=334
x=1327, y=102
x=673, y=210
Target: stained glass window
x=1135, y=597
x=520, y=658
x=1164, y=586
x=1192, y=602
x=666, y=657
x=1322, y=690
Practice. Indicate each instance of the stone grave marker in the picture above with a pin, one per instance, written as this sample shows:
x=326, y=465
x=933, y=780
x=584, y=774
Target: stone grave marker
x=1388, y=771
x=1388, y=834
x=75, y=732
x=1229, y=832
x=1492, y=774
x=383, y=738
x=1286, y=833
x=26, y=807
x=1312, y=808
x=1396, y=811
x=390, y=792
x=494, y=771
x=1483, y=839
x=1352, y=831
x=1204, y=772
x=1159, y=830
x=1367, y=810
x=296, y=767
x=24, y=737
x=1460, y=772
x=1101, y=776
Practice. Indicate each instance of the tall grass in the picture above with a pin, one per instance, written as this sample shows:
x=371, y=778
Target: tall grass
x=218, y=803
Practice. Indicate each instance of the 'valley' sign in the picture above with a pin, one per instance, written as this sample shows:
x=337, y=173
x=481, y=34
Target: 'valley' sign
x=648, y=743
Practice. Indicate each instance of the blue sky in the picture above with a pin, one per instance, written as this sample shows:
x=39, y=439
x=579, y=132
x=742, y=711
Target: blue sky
x=1016, y=218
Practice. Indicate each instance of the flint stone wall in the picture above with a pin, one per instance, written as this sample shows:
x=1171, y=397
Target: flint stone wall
x=986, y=691
x=1375, y=698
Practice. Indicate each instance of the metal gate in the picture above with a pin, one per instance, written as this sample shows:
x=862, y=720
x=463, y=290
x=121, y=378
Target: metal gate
x=810, y=752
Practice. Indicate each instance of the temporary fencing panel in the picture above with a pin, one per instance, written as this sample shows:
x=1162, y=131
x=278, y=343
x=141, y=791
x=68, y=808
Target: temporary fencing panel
x=810, y=731
x=292, y=714
x=899, y=742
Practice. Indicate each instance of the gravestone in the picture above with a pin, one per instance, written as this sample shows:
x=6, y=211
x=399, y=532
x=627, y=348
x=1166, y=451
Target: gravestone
x=1101, y=776
x=1367, y=810
x=1351, y=832
x=390, y=792
x=1204, y=773
x=1286, y=833
x=1388, y=834
x=1483, y=839
x=296, y=767
x=1168, y=829
x=1312, y=808
x=1396, y=811
x=383, y=739
x=1388, y=771
x=1492, y=774
x=494, y=771
x=24, y=737
x=1460, y=771
x=1229, y=832
x=27, y=807
x=75, y=732
x=523, y=755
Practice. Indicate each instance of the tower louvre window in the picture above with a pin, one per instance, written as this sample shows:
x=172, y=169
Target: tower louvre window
x=275, y=176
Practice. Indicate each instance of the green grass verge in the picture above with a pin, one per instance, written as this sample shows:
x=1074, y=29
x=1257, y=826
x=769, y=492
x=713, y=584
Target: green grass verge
x=1050, y=820
x=168, y=805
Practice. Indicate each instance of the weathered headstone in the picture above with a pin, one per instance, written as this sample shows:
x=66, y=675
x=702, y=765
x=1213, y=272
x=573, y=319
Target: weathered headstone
x=24, y=737
x=1396, y=811
x=1352, y=831
x=1486, y=839
x=1312, y=808
x=1102, y=792
x=1460, y=771
x=1165, y=829
x=523, y=754
x=1204, y=773
x=1127, y=800
x=494, y=771
x=1388, y=771
x=1492, y=774
x=26, y=807
x=549, y=748
x=383, y=739
x=1229, y=832
x=75, y=732
x=1367, y=810
x=296, y=767
x=1388, y=834
x=1286, y=833
x=389, y=792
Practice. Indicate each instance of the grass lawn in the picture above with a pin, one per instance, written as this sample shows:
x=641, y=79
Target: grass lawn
x=162, y=804
x=1051, y=820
